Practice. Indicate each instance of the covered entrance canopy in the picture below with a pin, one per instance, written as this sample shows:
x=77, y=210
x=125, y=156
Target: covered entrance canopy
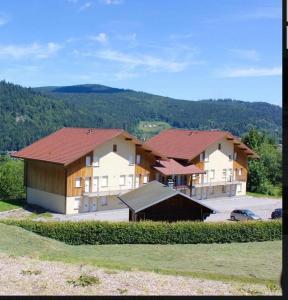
x=158, y=202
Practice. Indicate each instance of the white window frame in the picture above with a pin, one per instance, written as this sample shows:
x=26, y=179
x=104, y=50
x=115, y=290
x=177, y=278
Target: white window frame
x=124, y=180
x=138, y=159
x=212, y=172
x=77, y=203
x=145, y=179
x=224, y=173
x=96, y=162
x=239, y=187
x=240, y=172
x=131, y=161
x=104, y=185
x=235, y=155
x=88, y=161
x=78, y=182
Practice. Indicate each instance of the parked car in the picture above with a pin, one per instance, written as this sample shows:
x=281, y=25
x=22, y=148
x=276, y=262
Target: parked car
x=277, y=213
x=243, y=215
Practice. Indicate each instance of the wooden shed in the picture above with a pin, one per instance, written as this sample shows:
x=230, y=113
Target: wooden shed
x=158, y=202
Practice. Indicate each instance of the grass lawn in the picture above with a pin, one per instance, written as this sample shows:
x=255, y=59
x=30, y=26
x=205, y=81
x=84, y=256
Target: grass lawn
x=258, y=195
x=257, y=262
x=6, y=205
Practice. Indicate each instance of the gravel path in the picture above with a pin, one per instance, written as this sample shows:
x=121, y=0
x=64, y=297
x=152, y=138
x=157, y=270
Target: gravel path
x=25, y=276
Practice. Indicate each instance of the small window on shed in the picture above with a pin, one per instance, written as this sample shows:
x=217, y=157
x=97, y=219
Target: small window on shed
x=88, y=161
x=114, y=148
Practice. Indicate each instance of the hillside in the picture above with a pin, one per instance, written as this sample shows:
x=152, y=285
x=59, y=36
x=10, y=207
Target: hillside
x=27, y=114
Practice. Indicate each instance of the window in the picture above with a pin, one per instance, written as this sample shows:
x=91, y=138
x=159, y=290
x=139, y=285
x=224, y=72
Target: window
x=240, y=172
x=145, y=179
x=88, y=161
x=104, y=181
x=239, y=187
x=77, y=202
x=96, y=161
x=103, y=201
x=235, y=155
x=223, y=189
x=122, y=180
x=212, y=174
x=224, y=173
x=230, y=156
x=203, y=156
x=78, y=182
x=131, y=161
x=138, y=159
x=114, y=148
x=219, y=146
x=194, y=176
x=212, y=190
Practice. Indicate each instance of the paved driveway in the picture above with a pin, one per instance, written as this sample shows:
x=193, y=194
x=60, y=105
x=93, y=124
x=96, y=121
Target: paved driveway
x=260, y=206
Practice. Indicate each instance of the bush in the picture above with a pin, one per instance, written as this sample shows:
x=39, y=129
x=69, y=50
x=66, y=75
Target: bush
x=95, y=232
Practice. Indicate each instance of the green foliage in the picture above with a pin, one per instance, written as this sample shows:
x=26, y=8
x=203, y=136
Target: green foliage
x=265, y=174
x=84, y=280
x=93, y=232
x=28, y=114
x=11, y=178
x=30, y=272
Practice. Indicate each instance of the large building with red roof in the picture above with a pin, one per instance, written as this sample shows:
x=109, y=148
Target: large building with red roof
x=80, y=170
x=222, y=158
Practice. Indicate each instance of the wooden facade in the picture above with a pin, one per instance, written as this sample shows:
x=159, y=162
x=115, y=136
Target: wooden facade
x=145, y=166
x=78, y=169
x=45, y=176
x=240, y=163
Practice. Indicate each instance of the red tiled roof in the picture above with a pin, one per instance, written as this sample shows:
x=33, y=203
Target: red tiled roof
x=68, y=144
x=172, y=167
x=187, y=144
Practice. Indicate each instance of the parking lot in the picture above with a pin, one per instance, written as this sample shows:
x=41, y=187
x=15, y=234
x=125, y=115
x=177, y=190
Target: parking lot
x=262, y=207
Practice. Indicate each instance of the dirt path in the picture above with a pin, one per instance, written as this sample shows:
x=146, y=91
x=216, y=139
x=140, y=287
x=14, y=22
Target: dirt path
x=25, y=276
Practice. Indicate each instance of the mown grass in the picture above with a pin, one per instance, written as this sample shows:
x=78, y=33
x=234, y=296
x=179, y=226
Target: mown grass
x=6, y=205
x=257, y=262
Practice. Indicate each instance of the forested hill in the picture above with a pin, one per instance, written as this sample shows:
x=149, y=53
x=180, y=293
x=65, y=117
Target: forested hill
x=27, y=114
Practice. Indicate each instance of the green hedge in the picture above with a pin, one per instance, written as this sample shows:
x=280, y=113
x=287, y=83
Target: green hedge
x=95, y=232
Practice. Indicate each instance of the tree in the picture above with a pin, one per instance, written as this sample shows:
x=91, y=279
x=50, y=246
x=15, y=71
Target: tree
x=11, y=178
x=265, y=174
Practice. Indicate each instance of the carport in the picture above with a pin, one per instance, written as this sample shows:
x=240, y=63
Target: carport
x=158, y=202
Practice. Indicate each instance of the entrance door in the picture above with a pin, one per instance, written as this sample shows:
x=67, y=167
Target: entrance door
x=87, y=184
x=137, y=181
x=93, y=204
x=130, y=182
x=96, y=184
x=85, y=204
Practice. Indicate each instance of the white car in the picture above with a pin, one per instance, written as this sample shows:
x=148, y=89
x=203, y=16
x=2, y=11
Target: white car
x=243, y=215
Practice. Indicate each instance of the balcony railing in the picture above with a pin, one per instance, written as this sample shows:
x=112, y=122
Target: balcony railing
x=109, y=190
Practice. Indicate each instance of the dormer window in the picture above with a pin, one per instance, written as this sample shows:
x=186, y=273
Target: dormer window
x=114, y=148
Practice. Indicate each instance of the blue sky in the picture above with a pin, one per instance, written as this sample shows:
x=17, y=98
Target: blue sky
x=184, y=49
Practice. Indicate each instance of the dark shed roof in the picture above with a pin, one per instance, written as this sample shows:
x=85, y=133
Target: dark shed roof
x=151, y=194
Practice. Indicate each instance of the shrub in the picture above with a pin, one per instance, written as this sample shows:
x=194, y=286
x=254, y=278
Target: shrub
x=84, y=280
x=147, y=232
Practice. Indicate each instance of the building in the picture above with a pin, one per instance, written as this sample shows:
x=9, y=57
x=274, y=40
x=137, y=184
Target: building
x=222, y=157
x=80, y=170
x=77, y=170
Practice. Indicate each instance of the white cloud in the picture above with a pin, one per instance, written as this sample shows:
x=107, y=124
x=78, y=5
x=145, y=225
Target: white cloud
x=33, y=50
x=248, y=54
x=250, y=72
x=85, y=6
x=3, y=19
x=102, y=38
x=152, y=63
x=112, y=2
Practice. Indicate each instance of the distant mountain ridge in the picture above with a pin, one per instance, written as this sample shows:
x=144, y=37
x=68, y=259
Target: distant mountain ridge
x=27, y=114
